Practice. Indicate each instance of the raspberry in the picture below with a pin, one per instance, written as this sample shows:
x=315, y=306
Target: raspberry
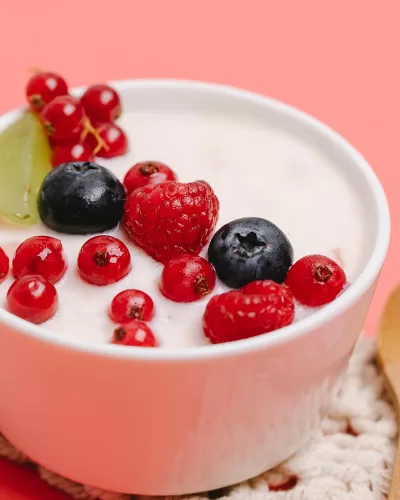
x=104, y=260
x=241, y=314
x=315, y=280
x=147, y=172
x=32, y=298
x=187, y=278
x=40, y=255
x=130, y=305
x=171, y=218
x=4, y=265
x=136, y=334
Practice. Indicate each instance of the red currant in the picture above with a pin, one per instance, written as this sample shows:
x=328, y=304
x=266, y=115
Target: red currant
x=4, y=265
x=130, y=305
x=32, y=298
x=104, y=260
x=115, y=142
x=43, y=87
x=187, y=278
x=147, y=172
x=136, y=334
x=315, y=280
x=63, y=118
x=40, y=255
x=73, y=151
x=101, y=103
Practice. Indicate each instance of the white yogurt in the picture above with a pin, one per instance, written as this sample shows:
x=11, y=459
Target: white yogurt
x=255, y=170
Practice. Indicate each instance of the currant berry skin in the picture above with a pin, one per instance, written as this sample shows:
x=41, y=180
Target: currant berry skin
x=187, y=278
x=74, y=151
x=81, y=198
x=40, y=255
x=4, y=265
x=104, y=260
x=63, y=118
x=134, y=334
x=316, y=280
x=43, y=87
x=101, y=103
x=250, y=249
x=147, y=172
x=32, y=298
x=115, y=142
x=130, y=305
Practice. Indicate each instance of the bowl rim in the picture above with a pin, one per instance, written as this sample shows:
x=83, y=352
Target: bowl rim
x=295, y=330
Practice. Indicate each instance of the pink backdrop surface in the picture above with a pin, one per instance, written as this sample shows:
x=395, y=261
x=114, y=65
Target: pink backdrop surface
x=336, y=59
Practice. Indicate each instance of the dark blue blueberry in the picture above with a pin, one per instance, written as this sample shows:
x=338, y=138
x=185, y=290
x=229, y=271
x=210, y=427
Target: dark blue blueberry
x=250, y=249
x=81, y=198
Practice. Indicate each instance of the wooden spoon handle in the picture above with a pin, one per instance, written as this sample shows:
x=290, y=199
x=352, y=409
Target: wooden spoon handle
x=395, y=486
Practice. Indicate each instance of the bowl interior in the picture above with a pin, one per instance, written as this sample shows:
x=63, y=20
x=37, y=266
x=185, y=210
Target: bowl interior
x=169, y=97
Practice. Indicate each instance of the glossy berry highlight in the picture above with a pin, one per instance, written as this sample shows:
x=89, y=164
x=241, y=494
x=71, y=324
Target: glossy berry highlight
x=187, y=278
x=63, y=118
x=250, y=249
x=134, y=334
x=43, y=87
x=40, y=255
x=32, y=298
x=101, y=103
x=147, y=172
x=81, y=198
x=113, y=139
x=74, y=151
x=103, y=260
x=130, y=305
x=316, y=280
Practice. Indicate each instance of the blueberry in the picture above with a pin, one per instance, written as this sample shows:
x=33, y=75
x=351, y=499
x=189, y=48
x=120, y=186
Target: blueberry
x=81, y=198
x=250, y=249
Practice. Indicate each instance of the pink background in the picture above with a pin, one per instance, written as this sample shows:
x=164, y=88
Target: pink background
x=336, y=59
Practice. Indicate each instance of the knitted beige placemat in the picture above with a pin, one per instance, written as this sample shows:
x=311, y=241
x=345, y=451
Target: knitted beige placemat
x=349, y=458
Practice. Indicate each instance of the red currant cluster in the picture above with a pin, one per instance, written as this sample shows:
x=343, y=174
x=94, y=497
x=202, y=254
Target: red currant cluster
x=78, y=129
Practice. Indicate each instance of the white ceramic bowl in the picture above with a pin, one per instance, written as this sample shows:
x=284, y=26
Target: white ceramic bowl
x=160, y=422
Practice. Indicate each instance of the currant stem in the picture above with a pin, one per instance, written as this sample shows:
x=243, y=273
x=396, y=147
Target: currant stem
x=89, y=129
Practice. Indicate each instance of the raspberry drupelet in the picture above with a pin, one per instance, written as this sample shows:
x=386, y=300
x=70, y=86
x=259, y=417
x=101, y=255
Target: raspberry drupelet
x=171, y=218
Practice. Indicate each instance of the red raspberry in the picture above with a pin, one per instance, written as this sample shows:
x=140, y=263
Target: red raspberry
x=315, y=280
x=130, y=305
x=101, y=103
x=136, y=334
x=42, y=255
x=4, y=265
x=147, y=172
x=32, y=298
x=42, y=88
x=238, y=315
x=171, y=218
x=187, y=278
x=104, y=260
